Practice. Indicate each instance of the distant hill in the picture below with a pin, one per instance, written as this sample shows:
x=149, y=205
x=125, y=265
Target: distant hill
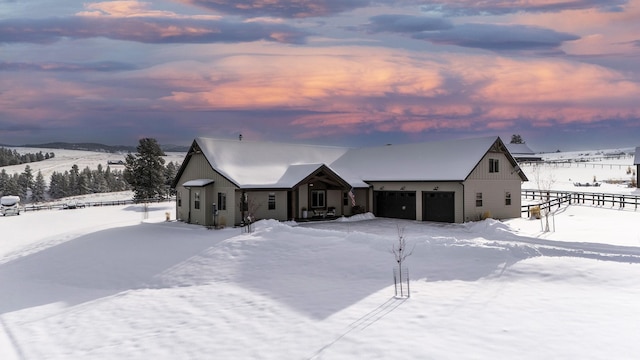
x=98, y=147
x=174, y=148
x=84, y=146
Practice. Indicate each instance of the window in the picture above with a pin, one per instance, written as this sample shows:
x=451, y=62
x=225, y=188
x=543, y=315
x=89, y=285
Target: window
x=317, y=198
x=507, y=198
x=494, y=165
x=179, y=198
x=272, y=201
x=196, y=200
x=478, y=199
x=222, y=201
x=345, y=199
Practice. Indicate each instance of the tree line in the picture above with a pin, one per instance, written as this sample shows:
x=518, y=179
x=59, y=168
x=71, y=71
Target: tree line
x=73, y=182
x=11, y=157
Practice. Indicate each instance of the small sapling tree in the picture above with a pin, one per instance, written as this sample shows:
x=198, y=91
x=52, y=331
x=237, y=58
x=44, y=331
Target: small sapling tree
x=401, y=252
x=248, y=208
x=545, y=185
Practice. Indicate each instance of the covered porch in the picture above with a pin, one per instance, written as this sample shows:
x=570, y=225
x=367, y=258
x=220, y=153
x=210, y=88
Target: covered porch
x=321, y=195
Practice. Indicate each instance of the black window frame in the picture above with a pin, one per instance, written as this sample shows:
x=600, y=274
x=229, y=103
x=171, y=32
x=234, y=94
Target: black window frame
x=196, y=200
x=222, y=201
x=494, y=166
x=315, y=199
x=271, y=203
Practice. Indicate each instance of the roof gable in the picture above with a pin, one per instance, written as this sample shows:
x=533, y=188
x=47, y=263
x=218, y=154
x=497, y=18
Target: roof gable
x=254, y=164
x=428, y=161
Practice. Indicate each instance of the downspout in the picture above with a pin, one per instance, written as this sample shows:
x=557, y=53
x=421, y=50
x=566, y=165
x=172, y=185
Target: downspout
x=189, y=217
x=463, y=202
x=242, y=206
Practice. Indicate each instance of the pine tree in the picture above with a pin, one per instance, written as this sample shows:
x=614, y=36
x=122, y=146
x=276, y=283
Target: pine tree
x=83, y=186
x=516, y=139
x=73, y=180
x=170, y=173
x=39, y=188
x=13, y=185
x=99, y=183
x=4, y=179
x=25, y=181
x=58, y=185
x=145, y=171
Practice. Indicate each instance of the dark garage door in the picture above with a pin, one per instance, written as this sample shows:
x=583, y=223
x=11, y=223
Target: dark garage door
x=396, y=204
x=438, y=206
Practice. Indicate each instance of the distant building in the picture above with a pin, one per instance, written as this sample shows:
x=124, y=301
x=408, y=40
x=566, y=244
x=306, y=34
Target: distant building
x=221, y=181
x=522, y=153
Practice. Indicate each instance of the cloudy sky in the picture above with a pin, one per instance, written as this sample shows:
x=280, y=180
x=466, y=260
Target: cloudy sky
x=564, y=74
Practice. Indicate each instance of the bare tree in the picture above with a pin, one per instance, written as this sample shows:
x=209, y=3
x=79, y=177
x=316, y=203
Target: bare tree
x=545, y=183
x=248, y=208
x=400, y=253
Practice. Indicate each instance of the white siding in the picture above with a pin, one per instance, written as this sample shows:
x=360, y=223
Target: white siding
x=199, y=168
x=493, y=187
x=259, y=204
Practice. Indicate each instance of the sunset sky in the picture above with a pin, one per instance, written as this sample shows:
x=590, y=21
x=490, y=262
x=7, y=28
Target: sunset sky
x=564, y=74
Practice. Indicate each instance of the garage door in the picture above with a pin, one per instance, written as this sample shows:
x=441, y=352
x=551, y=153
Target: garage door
x=395, y=204
x=438, y=206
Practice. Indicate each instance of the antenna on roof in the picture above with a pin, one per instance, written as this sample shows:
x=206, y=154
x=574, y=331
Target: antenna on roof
x=240, y=137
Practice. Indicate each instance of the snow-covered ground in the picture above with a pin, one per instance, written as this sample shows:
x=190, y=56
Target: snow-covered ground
x=119, y=282
x=563, y=170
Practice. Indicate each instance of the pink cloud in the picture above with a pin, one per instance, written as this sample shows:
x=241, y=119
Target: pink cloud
x=132, y=8
x=344, y=90
x=401, y=92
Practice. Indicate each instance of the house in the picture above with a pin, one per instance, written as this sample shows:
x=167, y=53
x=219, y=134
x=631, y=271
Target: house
x=522, y=153
x=221, y=182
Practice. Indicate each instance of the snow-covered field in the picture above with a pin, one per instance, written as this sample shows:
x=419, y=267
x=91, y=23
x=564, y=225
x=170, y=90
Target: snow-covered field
x=65, y=159
x=118, y=282
x=584, y=167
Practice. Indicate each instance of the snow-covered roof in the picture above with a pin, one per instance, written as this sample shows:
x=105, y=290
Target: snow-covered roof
x=519, y=149
x=9, y=200
x=264, y=164
x=197, y=183
x=296, y=173
x=252, y=164
x=430, y=161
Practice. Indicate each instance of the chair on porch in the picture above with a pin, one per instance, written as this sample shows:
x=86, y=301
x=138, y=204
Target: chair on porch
x=331, y=211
